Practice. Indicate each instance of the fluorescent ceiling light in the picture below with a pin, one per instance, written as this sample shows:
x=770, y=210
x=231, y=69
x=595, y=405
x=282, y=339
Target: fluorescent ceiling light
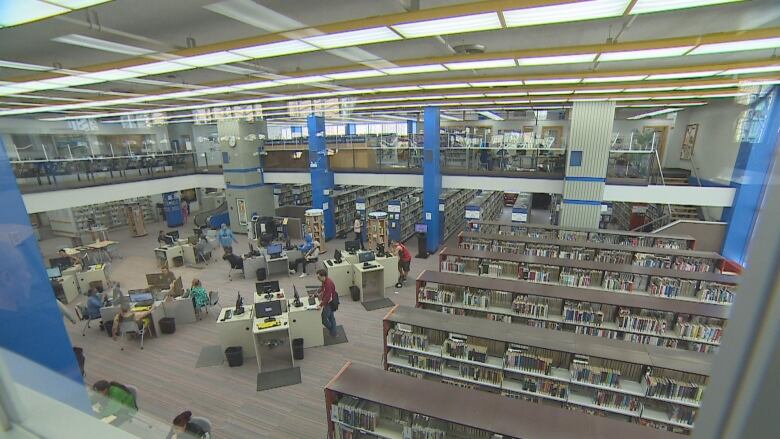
x=415, y=69
x=737, y=46
x=588, y=99
x=496, y=84
x=514, y=101
x=442, y=86
x=553, y=92
x=77, y=4
x=395, y=89
x=112, y=75
x=658, y=98
x=275, y=49
x=70, y=81
x=157, y=68
x=451, y=25
x=476, y=65
x=303, y=79
x=707, y=86
x=646, y=6
x=560, y=59
x=615, y=78
x=755, y=82
x=747, y=70
x=24, y=66
x=10, y=89
x=655, y=113
x=13, y=12
x=543, y=101
x=552, y=81
x=211, y=59
x=566, y=12
x=490, y=115
x=605, y=90
x=504, y=95
x=353, y=38
x=644, y=54
x=355, y=75
x=640, y=90
x=99, y=44
x=256, y=85
x=683, y=75
x=448, y=117
x=465, y=96
x=720, y=95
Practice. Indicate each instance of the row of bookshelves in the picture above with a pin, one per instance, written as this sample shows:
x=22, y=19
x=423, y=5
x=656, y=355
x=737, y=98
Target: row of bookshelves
x=74, y=221
x=643, y=320
x=607, y=376
x=403, y=214
x=487, y=205
x=293, y=194
x=452, y=204
x=521, y=208
x=385, y=410
x=684, y=260
x=672, y=284
x=619, y=237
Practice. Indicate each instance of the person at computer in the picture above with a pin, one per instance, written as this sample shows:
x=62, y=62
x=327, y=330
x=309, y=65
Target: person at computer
x=74, y=258
x=126, y=313
x=226, y=237
x=113, y=398
x=168, y=276
x=94, y=303
x=311, y=256
x=308, y=242
x=404, y=261
x=326, y=294
x=161, y=239
x=202, y=249
x=183, y=427
x=200, y=297
x=358, y=229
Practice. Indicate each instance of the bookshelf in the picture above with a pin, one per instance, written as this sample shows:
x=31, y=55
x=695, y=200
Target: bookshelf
x=386, y=410
x=74, y=221
x=521, y=208
x=615, y=379
x=376, y=229
x=641, y=319
x=135, y=219
x=293, y=194
x=620, y=237
x=555, y=208
x=315, y=225
x=485, y=206
x=452, y=203
x=621, y=215
x=403, y=214
x=374, y=199
x=684, y=260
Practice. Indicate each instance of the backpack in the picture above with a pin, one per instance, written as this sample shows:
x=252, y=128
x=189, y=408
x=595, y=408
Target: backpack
x=334, y=303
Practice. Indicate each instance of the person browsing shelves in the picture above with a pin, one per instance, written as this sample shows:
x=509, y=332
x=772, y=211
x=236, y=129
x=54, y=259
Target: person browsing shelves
x=404, y=262
x=357, y=227
x=327, y=295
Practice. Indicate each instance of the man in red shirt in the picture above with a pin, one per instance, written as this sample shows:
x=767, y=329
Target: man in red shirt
x=326, y=294
x=404, y=262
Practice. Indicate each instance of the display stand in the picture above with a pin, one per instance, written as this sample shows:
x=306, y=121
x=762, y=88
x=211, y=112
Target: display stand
x=135, y=219
x=377, y=230
x=315, y=225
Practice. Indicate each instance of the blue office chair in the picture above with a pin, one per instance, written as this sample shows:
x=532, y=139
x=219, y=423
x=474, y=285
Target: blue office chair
x=83, y=315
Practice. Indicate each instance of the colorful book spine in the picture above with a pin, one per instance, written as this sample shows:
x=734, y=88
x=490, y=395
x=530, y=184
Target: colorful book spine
x=529, y=362
x=595, y=375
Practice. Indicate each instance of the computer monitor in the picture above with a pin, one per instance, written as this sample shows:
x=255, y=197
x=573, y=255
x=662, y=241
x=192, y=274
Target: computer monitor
x=365, y=256
x=169, y=240
x=54, y=272
x=270, y=286
x=337, y=255
x=272, y=308
x=144, y=297
x=173, y=234
x=421, y=228
x=274, y=249
x=62, y=263
x=352, y=246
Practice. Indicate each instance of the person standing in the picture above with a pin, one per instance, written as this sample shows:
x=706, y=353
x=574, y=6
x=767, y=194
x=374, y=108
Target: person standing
x=226, y=238
x=358, y=229
x=326, y=293
x=185, y=211
x=404, y=263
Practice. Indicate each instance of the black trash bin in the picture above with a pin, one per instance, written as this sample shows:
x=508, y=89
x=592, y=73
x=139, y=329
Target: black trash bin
x=354, y=291
x=235, y=356
x=108, y=326
x=167, y=325
x=297, y=348
x=178, y=261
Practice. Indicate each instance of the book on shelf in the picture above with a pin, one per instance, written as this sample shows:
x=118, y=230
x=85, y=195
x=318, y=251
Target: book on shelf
x=597, y=332
x=556, y=389
x=652, y=261
x=625, y=281
x=520, y=359
x=532, y=307
x=356, y=413
x=587, y=373
x=405, y=339
x=614, y=257
x=605, y=398
x=577, y=253
x=481, y=374
x=581, y=313
x=689, y=263
x=715, y=292
x=669, y=388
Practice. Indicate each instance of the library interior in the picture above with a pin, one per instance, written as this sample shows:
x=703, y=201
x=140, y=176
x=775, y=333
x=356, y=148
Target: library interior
x=394, y=219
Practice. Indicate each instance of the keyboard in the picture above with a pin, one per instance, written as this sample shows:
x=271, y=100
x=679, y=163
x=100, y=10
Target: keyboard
x=266, y=325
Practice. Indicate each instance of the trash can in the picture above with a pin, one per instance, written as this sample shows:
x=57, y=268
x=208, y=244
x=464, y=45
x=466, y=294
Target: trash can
x=297, y=346
x=178, y=261
x=235, y=356
x=108, y=326
x=355, y=292
x=261, y=274
x=167, y=325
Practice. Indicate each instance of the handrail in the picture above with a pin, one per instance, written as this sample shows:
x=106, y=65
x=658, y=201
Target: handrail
x=663, y=182
x=695, y=172
x=93, y=158
x=662, y=217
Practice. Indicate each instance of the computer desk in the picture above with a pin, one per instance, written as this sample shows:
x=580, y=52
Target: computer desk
x=371, y=281
x=165, y=255
x=181, y=309
x=69, y=286
x=93, y=274
x=341, y=273
x=278, y=265
x=280, y=356
x=107, y=314
x=390, y=263
x=237, y=330
x=306, y=323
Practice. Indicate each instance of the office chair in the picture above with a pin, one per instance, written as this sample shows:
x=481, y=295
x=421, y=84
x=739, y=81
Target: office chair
x=213, y=299
x=133, y=391
x=238, y=267
x=202, y=422
x=83, y=315
x=131, y=327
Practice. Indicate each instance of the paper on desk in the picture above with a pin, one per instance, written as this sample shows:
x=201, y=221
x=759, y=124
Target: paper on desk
x=109, y=419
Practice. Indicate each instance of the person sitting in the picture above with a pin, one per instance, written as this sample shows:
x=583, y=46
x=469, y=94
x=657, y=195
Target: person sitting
x=161, y=239
x=202, y=252
x=168, y=276
x=126, y=313
x=94, y=303
x=307, y=244
x=114, y=398
x=311, y=256
x=200, y=297
x=184, y=427
x=74, y=258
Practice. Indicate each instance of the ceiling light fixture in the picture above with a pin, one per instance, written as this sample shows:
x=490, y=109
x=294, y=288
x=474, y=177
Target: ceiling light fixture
x=707, y=86
x=573, y=11
x=644, y=54
x=559, y=59
x=655, y=113
x=353, y=38
x=356, y=74
x=605, y=90
x=553, y=92
x=104, y=45
x=211, y=59
x=737, y=46
x=649, y=89
x=450, y=25
x=24, y=66
x=490, y=115
x=748, y=70
x=647, y=6
x=552, y=81
x=15, y=13
x=496, y=83
x=415, y=69
x=615, y=78
x=303, y=79
x=275, y=49
x=443, y=86
x=477, y=65
x=157, y=68
x=684, y=75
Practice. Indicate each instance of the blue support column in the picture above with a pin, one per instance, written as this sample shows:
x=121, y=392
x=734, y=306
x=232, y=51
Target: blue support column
x=30, y=320
x=172, y=209
x=750, y=178
x=350, y=129
x=411, y=128
x=431, y=178
x=321, y=176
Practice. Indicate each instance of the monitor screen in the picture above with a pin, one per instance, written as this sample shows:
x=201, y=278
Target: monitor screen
x=352, y=246
x=365, y=256
x=337, y=255
x=141, y=297
x=421, y=228
x=295, y=293
x=62, y=263
x=270, y=286
x=268, y=309
x=274, y=249
x=169, y=240
x=54, y=272
x=173, y=234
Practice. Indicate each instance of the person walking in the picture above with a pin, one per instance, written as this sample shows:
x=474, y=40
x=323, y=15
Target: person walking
x=328, y=298
x=185, y=211
x=404, y=263
x=226, y=238
x=358, y=229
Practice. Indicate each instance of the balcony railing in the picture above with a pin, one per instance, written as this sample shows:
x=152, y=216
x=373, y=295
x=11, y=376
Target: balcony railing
x=632, y=167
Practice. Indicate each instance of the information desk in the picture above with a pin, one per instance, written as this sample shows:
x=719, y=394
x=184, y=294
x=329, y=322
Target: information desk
x=165, y=255
x=341, y=274
x=306, y=323
x=390, y=263
x=237, y=330
x=371, y=281
x=273, y=345
x=95, y=273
